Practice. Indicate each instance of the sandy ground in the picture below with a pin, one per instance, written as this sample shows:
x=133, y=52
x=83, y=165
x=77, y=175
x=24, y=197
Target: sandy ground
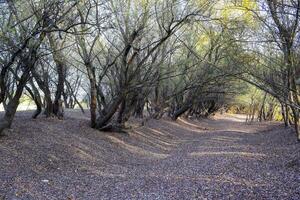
x=220, y=158
x=22, y=107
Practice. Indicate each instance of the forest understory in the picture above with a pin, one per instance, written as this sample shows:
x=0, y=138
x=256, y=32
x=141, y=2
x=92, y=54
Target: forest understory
x=217, y=158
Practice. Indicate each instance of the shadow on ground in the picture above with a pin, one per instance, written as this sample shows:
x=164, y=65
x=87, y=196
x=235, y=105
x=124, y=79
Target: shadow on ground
x=220, y=158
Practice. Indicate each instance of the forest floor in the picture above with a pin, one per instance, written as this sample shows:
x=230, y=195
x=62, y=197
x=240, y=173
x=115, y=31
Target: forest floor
x=218, y=158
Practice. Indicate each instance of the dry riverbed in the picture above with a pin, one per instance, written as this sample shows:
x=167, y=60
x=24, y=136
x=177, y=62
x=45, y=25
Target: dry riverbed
x=219, y=158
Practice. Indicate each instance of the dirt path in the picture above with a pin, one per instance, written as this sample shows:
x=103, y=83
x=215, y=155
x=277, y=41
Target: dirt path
x=221, y=158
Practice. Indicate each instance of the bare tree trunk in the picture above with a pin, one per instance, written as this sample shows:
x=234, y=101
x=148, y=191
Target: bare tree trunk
x=35, y=95
x=139, y=108
x=121, y=112
x=43, y=85
x=109, y=112
x=58, y=103
x=93, y=94
x=180, y=111
x=92, y=79
x=61, y=73
x=12, y=106
x=262, y=108
x=48, y=106
x=71, y=104
x=287, y=114
x=3, y=83
x=65, y=97
x=212, y=108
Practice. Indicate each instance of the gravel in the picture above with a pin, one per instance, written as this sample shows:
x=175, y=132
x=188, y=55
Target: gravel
x=219, y=158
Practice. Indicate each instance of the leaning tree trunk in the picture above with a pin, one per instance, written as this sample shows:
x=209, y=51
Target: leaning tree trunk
x=212, y=108
x=12, y=106
x=35, y=95
x=72, y=103
x=103, y=121
x=180, y=111
x=28, y=62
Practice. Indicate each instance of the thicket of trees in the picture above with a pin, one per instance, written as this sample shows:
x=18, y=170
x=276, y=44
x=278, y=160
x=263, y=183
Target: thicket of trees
x=132, y=58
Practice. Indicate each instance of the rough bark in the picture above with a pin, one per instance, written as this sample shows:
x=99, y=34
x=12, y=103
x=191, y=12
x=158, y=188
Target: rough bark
x=61, y=76
x=12, y=106
x=121, y=112
x=93, y=93
x=35, y=95
x=139, y=108
x=180, y=111
x=58, y=102
x=71, y=104
x=109, y=112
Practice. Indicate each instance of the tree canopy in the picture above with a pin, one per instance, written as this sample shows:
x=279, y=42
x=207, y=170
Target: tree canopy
x=150, y=58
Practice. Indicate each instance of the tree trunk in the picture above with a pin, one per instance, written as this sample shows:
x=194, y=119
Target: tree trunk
x=48, y=105
x=121, y=112
x=212, y=108
x=3, y=83
x=65, y=97
x=109, y=112
x=35, y=95
x=93, y=94
x=296, y=121
x=12, y=106
x=58, y=103
x=180, y=111
x=71, y=104
x=61, y=73
x=284, y=116
x=139, y=108
x=262, y=108
x=43, y=85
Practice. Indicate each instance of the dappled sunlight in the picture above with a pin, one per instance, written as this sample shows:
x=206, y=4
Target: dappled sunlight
x=154, y=141
x=227, y=153
x=167, y=153
x=83, y=154
x=165, y=137
x=149, y=99
x=186, y=128
x=231, y=117
x=158, y=132
x=233, y=131
x=186, y=123
x=227, y=146
x=136, y=150
x=225, y=139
